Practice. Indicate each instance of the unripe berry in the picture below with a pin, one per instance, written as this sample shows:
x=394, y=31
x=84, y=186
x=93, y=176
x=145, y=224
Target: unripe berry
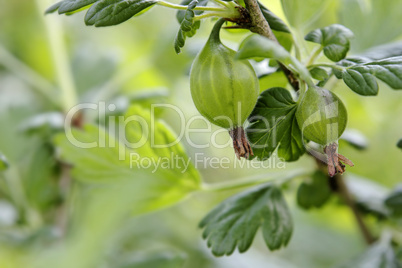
x=224, y=90
x=321, y=116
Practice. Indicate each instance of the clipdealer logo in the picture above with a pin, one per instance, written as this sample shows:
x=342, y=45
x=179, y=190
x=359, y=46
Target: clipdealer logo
x=147, y=135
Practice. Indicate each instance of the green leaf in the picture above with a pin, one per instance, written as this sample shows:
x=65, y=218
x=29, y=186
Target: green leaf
x=67, y=6
x=274, y=21
x=335, y=39
x=273, y=124
x=399, y=144
x=187, y=27
x=319, y=73
x=361, y=77
x=147, y=151
x=3, y=162
x=394, y=201
x=255, y=46
x=113, y=12
x=181, y=13
x=363, y=84
x=235, y=221
x=314, y=194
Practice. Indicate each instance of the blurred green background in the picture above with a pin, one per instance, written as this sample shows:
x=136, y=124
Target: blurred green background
x=45, y=58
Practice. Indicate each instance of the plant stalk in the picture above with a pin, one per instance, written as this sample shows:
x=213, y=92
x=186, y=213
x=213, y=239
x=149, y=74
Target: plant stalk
x=59, y=54
x=260, y=26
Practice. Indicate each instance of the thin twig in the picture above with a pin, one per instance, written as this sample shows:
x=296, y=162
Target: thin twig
x=348, y=199
x=260, y=26
x=339, y=186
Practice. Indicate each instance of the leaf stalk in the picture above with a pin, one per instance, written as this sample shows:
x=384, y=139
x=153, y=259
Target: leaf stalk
x=183, y=7
x=316, y=53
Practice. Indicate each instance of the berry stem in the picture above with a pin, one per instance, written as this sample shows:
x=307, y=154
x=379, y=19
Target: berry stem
x=216, y=30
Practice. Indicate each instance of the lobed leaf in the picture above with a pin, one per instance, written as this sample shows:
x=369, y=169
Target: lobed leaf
x=360, y=75
x=235, y=221
x=273, y=125
x=316, y=193
x=181, y=13
x=335, y=40
x=187, y=27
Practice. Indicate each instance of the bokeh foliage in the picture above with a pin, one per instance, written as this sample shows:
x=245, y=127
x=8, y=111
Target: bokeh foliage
x=119, y=64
